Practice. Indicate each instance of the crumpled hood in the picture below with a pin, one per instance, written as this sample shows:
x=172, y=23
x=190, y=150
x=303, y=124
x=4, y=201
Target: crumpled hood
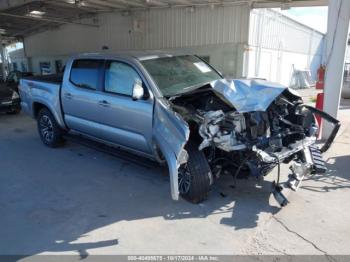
x=247, y=95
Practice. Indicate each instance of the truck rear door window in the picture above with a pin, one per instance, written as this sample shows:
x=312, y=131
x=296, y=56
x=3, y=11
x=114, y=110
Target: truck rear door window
x=85, y=73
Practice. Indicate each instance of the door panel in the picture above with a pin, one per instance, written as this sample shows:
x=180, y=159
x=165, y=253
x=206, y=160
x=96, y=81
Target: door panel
x=81, y=110
x=80, y=96
x=130, y=121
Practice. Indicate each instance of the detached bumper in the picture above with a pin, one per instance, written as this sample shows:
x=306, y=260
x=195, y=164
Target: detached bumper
x=311, y=158
x=336, y=126
x=308, y=143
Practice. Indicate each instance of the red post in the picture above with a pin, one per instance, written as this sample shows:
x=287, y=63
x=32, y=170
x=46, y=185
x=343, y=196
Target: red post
x=319, y=105
x=320, y=77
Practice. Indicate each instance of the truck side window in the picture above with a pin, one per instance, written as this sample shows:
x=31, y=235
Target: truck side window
x=120, y=78
x=85, y=73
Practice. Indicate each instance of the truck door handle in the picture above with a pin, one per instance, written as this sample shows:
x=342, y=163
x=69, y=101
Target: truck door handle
x=103, y=103
x=68, y=95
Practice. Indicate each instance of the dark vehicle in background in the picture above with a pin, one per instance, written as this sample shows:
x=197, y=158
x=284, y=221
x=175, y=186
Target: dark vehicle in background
x=9, y=100
x=13, y=78
x=9, y=97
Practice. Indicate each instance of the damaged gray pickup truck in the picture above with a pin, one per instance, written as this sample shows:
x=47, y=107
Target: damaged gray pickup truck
x=180, y=111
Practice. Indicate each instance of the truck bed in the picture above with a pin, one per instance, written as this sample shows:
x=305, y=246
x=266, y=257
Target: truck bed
x=54, y=79
x=43, y=90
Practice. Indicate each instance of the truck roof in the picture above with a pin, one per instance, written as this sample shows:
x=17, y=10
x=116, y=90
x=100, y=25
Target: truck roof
x=139, y=55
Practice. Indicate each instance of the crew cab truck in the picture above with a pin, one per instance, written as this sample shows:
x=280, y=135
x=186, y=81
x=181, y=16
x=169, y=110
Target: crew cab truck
x=178, y=110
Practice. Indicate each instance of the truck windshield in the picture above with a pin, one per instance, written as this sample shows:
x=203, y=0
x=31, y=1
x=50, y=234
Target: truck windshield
x=179, y=74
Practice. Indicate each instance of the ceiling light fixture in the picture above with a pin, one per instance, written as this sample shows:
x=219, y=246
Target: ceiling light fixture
x=37, y=13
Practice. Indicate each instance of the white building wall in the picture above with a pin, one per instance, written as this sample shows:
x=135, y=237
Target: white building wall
x=220, y=32
x=347, y=54
x=18, y=57
x=278, y=43
x=272, y=46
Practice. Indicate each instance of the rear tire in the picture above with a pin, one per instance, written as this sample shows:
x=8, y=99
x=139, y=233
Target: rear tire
x=195, y=176
x=49, y=131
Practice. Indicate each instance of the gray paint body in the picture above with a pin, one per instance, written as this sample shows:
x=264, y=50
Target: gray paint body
x=141, y=126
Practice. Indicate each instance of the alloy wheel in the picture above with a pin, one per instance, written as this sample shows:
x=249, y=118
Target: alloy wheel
x=46, y=128
x=184, y=179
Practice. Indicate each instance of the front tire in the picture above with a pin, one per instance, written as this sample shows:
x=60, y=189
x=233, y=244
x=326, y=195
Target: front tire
x=195, y=176
x=50, y=132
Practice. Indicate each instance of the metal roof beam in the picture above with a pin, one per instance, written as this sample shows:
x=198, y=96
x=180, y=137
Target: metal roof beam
x=181, y=2
x=88, y=8
x=47, y=19
x=157, y=3
x=291, y=3
x=131, y=3
x=199, y=4
x=106, y=3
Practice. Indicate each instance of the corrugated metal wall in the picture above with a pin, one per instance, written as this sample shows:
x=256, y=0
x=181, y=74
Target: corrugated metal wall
x=272, y=30
x=18, y=60
x=238, y=41
x=279, y=44
x=173, y=28
x=218, y=32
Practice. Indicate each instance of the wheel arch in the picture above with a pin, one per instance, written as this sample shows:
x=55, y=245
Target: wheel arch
x=37, y=106
x=170, y=134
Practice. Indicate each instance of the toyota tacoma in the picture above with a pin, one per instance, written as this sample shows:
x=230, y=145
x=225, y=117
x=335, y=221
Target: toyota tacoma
x=178, y=110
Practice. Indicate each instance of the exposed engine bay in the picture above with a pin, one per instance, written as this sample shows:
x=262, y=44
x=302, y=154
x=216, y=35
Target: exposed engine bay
x=251, y=143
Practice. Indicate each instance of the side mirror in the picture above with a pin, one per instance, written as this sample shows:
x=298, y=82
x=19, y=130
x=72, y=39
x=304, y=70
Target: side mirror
x=138, y=92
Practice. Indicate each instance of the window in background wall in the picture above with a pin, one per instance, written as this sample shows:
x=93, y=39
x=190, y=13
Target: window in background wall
x=59, y=66
x=14, y=66
x=24, y=67
x=45, y=68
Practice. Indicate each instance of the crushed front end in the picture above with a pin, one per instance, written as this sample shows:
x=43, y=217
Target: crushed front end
x=249, y=127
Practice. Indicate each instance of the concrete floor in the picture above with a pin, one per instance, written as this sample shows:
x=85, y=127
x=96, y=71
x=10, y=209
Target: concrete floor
x=76, y=200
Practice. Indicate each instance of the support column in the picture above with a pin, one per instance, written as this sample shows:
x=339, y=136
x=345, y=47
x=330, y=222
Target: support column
x=336, y=42
x=2, y=55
